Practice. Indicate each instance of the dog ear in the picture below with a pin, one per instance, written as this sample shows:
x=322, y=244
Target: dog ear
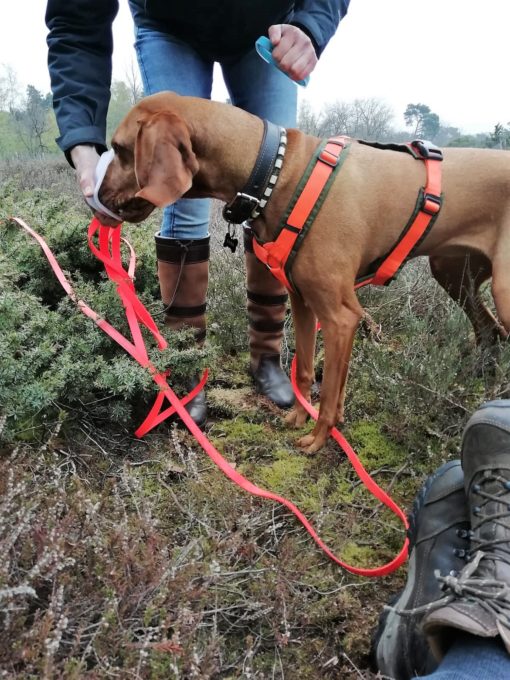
x=164, y=160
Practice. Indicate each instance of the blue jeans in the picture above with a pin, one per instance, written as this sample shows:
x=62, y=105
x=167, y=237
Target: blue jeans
x=473, y=658
x=167, y=63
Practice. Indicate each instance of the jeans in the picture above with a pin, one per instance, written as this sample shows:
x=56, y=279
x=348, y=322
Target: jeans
x=167, y=63
x=473, y=658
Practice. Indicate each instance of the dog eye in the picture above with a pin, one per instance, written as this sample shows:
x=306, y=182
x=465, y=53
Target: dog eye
x=122, y=152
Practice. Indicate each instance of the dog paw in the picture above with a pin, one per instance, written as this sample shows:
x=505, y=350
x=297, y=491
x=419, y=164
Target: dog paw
x=296, y=418
x=311, y=443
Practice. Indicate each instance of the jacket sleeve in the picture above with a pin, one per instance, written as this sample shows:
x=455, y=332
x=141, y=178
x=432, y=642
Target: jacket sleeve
x=319, y=19
x=80, y=47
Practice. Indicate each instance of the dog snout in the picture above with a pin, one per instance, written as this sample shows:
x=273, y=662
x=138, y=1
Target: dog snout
x=131, y=209
x=135, y=210
x=105, y=219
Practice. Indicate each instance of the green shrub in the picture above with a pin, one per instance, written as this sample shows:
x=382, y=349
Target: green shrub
x=54, y=360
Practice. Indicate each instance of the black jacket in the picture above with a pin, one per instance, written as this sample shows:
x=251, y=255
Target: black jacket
x=80, y=45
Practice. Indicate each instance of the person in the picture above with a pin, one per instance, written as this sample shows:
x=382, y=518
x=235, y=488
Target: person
x=452, y=619
x=177, y=44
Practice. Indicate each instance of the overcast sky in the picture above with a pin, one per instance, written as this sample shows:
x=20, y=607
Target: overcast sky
x=452, y=55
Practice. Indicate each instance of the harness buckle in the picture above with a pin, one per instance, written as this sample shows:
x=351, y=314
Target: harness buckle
x=427, y=150
x=328, y=158
x=240, y=208
x=431, y=204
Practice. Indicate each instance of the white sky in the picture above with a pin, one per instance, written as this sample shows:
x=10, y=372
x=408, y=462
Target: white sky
x=452, y=55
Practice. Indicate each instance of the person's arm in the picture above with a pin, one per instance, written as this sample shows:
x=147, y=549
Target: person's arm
x=297, y=46
x=80, y=47
x=319, y=19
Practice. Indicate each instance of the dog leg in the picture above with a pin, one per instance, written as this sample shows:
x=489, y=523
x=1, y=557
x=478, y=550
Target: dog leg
x=341, y=397
x=304, y=327
x=501, y=282
x=462, y=277
x=338, y=332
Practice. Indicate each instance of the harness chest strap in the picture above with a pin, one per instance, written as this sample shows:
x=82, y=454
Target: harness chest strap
x=275, y=254
x=427, y=209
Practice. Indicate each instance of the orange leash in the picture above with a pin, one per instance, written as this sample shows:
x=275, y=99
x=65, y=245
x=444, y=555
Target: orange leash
x=137, y=315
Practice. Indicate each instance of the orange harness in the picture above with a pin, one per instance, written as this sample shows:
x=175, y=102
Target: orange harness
x=275, y=254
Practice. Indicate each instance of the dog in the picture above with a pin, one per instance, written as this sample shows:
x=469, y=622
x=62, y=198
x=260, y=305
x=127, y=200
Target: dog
x=169, y=146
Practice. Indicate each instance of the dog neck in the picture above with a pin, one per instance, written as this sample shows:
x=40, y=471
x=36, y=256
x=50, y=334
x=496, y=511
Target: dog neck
x=250, y=202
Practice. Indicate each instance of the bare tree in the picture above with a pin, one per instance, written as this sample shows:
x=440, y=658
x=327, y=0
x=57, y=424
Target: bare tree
x=133, y=83
x=308, y=120
x=371, y=119
x=32, y=120
x=363, y=118
x=335, y=119
x=10, y=91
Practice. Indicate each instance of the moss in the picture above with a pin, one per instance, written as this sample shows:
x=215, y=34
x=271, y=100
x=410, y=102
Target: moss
x=225, y=402
x=287, y=474
x=374, y=448
x=343, y=491
x=231, y=370
x=358, y=555
x=238, y=430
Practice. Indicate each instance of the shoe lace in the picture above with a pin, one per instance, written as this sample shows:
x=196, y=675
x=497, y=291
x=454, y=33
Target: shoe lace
x=495, y=518
x=491, y=594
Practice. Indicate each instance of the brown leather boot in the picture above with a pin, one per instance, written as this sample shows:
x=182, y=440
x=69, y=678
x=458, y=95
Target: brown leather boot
x=477, y=601
x=183, y=272
x=267, y=302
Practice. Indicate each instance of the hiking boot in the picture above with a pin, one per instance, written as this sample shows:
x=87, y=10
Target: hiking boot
x=438, y=540
x=477, y=601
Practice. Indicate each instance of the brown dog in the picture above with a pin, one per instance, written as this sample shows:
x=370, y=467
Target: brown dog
x=169, y=146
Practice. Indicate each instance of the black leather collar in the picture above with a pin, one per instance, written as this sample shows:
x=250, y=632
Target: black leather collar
x=248, y=203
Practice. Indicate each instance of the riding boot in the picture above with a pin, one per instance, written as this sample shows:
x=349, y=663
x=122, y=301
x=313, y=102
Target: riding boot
x=477, y=600
x=267, y=302
x=183, y=272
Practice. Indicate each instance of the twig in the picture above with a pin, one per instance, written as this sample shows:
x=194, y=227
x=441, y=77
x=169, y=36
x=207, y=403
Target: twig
x=357, y=670
x=436, y=394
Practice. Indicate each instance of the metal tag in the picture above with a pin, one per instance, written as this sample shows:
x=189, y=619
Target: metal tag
x=230, y=242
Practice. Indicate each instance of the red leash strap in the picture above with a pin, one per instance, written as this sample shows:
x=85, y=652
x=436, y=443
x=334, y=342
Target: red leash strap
x=109, y=253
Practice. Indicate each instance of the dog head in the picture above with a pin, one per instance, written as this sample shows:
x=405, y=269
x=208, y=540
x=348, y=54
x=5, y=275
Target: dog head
x=153, y=166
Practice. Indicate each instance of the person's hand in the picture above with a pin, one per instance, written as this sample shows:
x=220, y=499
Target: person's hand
x=85, y=159
x=293, y=50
